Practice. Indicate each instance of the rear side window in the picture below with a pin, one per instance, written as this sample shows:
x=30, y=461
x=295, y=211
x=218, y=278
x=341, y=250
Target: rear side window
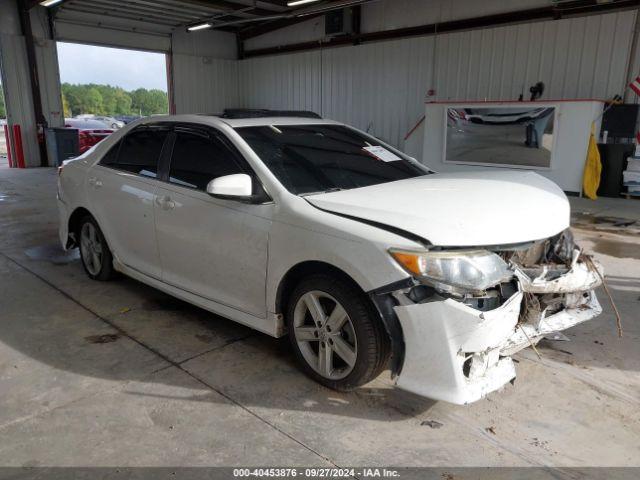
x=139, y=152
x=111, y=157
x=197, y=159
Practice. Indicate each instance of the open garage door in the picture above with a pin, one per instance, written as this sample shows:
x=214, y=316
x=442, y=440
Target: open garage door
x=105, y=88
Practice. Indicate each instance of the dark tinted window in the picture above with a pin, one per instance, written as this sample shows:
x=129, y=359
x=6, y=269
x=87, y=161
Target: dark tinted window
x=317, y=158
x=111, y=157
x=199, y=158
x=140, y=152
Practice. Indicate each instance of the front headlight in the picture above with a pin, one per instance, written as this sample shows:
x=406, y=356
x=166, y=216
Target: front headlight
x=471, y=270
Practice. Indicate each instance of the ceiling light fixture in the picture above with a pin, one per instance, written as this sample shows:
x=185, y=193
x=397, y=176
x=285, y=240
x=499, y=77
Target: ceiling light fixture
x=199, y=26
x=295, y=3
x=49, y=3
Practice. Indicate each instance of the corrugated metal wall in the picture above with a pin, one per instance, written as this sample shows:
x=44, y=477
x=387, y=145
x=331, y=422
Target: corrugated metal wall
x=204, y=84
x=18, y=100
x=382, y=15
x=390, y=14
x=16, y=80
x=283, y=81
x=49, y=77
x=205, y=71
x=382, y=86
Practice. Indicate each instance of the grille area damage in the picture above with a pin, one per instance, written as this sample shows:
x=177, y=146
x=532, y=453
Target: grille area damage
x=458, y=347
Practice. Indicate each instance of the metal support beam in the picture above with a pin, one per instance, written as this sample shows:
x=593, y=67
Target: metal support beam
x=578, y=7
x=41, y=122
x=356, y=22
x=227, y=7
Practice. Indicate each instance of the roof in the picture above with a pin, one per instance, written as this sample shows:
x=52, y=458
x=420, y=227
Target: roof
x=169, y=15
x=258, y=122
x=237, y=122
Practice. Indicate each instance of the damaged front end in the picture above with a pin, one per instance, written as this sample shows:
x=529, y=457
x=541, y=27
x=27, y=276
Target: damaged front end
x=457, y=338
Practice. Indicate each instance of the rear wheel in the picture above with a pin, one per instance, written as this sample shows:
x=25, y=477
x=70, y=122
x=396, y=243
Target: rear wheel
x=94, y=251
x=335, y=333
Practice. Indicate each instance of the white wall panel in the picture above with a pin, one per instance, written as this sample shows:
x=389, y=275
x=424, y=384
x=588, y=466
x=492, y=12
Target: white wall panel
x=382, y=86
x=282, y=82
x=205, y=72
x=211, y=43
x=582, y=57
x=204, y=84
x=15, y=80
x=392, y=14
x=49, y=78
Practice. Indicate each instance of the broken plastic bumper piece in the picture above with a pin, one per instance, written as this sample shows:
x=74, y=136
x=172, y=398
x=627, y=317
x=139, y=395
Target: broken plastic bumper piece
x=459, y=354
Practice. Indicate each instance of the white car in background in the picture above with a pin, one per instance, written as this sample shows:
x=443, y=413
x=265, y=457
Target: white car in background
x=109, y=122
x=366, y=258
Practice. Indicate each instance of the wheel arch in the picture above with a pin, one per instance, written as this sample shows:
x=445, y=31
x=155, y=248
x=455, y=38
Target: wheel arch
x=381, y=302
x=304, y=269
x=74, y=224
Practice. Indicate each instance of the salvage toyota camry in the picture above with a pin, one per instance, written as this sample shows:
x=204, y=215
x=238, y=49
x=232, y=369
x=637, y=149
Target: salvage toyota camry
x=365, y=257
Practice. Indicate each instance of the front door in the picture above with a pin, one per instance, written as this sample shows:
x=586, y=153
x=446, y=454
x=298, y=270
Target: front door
x=123, y=186
x=211, y=247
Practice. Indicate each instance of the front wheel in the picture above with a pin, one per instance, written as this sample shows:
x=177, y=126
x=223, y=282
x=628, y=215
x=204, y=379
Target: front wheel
x=94, y=251
x=335, y=333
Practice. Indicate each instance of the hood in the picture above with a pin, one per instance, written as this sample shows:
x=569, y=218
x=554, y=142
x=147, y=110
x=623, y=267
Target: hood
x=460, y=209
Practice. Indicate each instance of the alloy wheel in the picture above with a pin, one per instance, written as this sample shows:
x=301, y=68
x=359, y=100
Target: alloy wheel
x=325, y=335
x=91, y=248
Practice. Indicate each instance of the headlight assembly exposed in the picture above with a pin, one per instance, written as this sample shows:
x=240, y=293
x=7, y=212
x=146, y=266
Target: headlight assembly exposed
x=470, y=270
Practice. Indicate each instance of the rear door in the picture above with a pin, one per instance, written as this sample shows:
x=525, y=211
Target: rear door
x=122, y=189
x=211, y=247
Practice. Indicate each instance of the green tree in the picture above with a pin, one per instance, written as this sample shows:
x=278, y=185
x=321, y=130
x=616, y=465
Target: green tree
x=92, y=101
x=73, y=95
x=112, y=101
x=149, y=102
x=108, y=94
x=123, y=102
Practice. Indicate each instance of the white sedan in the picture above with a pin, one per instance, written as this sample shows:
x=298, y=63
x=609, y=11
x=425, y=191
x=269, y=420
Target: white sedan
x=365, y=257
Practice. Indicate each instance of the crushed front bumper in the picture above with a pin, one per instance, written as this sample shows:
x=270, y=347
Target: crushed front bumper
x=459, y=354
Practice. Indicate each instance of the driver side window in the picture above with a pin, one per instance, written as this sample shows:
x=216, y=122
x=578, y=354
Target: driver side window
x=198, y=158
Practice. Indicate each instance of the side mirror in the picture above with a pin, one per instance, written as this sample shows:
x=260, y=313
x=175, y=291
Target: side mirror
x=238, y=186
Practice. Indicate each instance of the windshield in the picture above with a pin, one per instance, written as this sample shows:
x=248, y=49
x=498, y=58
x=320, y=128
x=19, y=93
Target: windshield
x=319, y=158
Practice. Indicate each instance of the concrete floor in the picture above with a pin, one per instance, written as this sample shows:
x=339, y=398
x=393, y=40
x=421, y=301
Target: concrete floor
x=119, y=374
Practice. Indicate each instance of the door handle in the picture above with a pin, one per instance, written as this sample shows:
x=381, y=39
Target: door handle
x=165, y=203
x=94, y=182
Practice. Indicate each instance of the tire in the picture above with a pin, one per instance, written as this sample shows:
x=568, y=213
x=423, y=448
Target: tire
x=333, y=365
x=96, y=257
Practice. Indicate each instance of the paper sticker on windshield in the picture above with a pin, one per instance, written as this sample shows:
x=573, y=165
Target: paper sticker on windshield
x=382, y=153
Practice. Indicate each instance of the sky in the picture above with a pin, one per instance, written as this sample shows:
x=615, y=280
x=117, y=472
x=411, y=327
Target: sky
x=129, y=69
